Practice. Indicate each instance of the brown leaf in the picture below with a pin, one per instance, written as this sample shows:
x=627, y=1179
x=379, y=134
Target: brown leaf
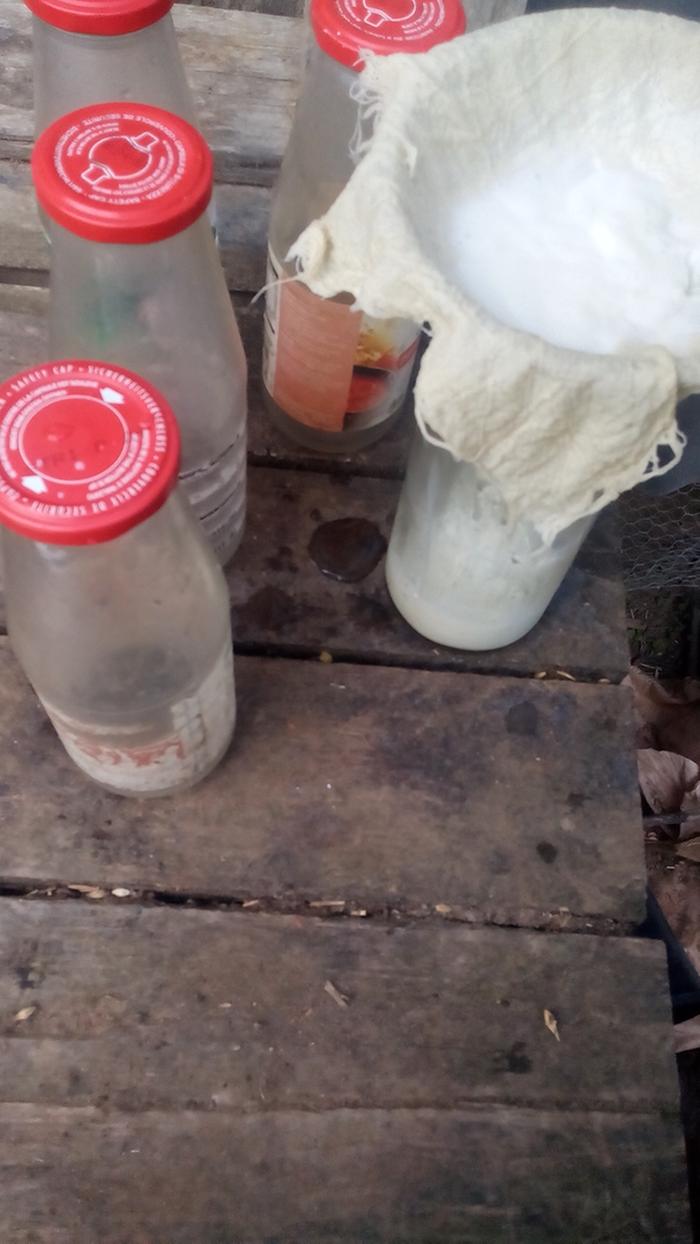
x=551, y=1023
x=666, y=779
x=689, y=850
x=669, y=712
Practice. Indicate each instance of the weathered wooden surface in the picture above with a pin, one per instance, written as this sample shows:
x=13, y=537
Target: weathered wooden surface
x=230, y=1011
x=170, y=1070
x=504, y=798
x=244, y=69
x=489, y=1175
x=283, y=601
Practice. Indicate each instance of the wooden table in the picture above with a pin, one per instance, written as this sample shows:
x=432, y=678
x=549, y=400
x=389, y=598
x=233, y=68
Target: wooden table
x=378, y=980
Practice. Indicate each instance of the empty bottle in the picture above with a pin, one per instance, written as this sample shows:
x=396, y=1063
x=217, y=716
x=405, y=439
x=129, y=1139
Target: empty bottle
x=117, y=609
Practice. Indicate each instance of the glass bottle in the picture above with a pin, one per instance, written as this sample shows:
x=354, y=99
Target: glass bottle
x=335, y=379
x=117, y=609
x=456, y=570
x=136, y=281
x=87, y=52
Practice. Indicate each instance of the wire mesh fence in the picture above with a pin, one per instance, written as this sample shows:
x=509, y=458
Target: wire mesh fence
x=661, y=539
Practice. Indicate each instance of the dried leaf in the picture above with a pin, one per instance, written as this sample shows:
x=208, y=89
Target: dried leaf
x=689, y=850
x=551, y=1023
x=338, y=997
x=669, y=711
x=121, y=892
x=666, y=779
x=90, y=891
x=325, y=658
x=686, y=1036
x=25, y=1014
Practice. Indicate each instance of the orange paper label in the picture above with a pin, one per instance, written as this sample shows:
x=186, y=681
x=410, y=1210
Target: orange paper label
x=328, y=366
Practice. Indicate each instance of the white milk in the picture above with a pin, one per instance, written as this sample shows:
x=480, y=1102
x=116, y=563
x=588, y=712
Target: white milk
x=587, y=257
x=456, y=572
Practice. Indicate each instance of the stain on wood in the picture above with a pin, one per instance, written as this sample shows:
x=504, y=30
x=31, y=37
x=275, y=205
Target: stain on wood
x=388, y=787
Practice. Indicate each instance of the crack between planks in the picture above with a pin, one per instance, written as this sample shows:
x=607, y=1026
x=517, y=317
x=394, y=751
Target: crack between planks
x=388, y=915
x=466, y=1105
x=299, y=652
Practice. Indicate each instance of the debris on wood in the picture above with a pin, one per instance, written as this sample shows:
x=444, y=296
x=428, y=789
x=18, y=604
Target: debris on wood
x=325, y=657
x=443, y=909
x=336, y=903
x=338, y=997
x=541, y=674
x=551, y=1023
x=251, y=902
x=121, y=892
x=564, y=674
x=90, y=891
x=26, y=1013
x=359, y=911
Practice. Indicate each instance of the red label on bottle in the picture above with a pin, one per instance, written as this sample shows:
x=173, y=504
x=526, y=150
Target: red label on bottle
x=329, y=366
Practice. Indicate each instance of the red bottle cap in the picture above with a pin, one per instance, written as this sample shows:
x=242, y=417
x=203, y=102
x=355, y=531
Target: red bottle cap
x=87, y=451
x=122, y=173
x=100, y=17
x=347, y=28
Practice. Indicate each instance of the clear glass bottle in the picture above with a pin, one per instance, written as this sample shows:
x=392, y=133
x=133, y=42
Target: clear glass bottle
x=136, y=281
x=334, y=379
x=456, y=570
x=117, y=609
x=89, y=52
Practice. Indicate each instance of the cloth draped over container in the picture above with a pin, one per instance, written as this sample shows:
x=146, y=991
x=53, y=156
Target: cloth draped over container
x=560, y=431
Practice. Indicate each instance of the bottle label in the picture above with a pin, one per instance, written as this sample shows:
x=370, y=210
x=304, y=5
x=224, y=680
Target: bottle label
x=328, y=366
x=216, y=492
x=180, y=745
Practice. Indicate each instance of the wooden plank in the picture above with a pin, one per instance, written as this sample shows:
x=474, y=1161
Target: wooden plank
x=379, y=787
x=479, y=1176
x=171, y=1037
x=23, y=343
x=242, y=213
x=244, y=69
x=157, y=1008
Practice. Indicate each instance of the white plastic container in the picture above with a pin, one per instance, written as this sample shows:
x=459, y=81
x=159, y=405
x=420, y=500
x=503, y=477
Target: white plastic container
x=335, y=379
x=117, y=609
x=88, y=51
x=456, y=571
x=136, y=281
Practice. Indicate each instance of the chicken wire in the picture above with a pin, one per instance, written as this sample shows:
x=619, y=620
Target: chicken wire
x=660, y=539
